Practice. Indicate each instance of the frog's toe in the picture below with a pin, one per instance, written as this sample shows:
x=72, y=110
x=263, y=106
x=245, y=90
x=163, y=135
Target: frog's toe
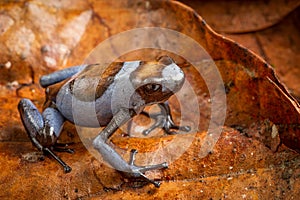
x=62, y=147
x=138, y=171
x=159, y=123
x=145, y=168
x=167, y=124
x=170, y=125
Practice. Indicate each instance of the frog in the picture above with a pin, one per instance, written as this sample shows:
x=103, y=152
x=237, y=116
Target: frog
x=121, y=91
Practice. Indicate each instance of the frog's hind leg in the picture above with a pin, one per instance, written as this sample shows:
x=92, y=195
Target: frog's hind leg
x=164, y=120
x=109, y=155
x=42, y=129
x=60, y=75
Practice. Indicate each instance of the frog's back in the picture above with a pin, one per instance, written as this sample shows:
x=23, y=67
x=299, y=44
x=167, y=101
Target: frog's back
x=85, y=99
x=90, y=98
x=93, y=81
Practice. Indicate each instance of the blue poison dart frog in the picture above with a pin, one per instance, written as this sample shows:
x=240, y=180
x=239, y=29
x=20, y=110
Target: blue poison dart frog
x=137, y=83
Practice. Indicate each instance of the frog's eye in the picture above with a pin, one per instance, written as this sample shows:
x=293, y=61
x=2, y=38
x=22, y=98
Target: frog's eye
x=166, y=60
x=150, y=88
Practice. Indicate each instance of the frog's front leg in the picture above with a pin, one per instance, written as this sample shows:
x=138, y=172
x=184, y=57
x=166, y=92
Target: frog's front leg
x=60, y=75
x=43, y=129
x=114, y=159
x=164, y=120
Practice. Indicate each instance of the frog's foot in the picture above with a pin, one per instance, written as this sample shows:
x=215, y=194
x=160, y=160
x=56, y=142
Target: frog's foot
x=62, y=148
x=165, y=121
x=66, y=167
x=138, y=171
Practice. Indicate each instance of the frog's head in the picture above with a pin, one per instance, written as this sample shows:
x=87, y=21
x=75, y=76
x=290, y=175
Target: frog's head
x=156, y=81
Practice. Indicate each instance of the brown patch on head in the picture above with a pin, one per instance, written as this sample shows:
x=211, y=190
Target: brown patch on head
x=150, y=72
x=146, y=71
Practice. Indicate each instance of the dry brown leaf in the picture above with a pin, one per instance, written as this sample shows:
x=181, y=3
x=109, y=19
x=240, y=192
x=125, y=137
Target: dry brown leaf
x=42, y=37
